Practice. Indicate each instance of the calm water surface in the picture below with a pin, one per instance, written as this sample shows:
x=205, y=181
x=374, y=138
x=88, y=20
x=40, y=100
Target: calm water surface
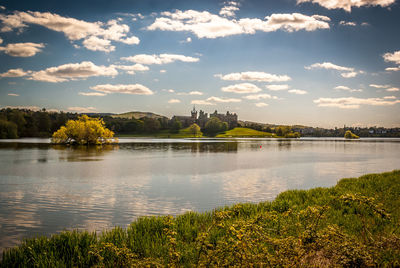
x=45, y=189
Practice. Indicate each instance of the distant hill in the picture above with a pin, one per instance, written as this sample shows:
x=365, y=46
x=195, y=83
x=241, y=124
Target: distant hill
x=99, y=114
x=138, y=115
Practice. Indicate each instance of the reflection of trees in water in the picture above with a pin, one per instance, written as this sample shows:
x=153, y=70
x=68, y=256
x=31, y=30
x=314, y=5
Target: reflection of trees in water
x=231, y=147
x=193, y=147
x=23, y=146
x=83, y=153
x=284, y=145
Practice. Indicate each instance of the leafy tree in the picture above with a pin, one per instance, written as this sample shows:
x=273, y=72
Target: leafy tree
x=8, y=130
x=176, y=126
x=17, y=117
x=85, y=130
x=350, y=135
x=151, y=124
x=43, y=122
x=215, y=125
x=194, y=129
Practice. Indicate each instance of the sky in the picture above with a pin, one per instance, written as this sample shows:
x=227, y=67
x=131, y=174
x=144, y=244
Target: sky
x=322, y=63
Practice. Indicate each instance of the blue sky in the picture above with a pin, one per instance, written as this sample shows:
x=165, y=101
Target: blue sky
x=312, y=62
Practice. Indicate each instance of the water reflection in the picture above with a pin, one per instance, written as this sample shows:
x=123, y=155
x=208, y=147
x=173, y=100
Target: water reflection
x=84, y=153
x=46, y=188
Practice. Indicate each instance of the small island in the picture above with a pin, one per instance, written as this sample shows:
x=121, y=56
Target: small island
x=350, y=135
x=84, y=131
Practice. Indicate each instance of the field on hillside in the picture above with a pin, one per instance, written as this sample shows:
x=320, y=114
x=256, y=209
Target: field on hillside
x=245, y=132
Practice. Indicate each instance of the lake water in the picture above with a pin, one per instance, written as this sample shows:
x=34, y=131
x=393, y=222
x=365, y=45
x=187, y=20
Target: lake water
x=45, y=189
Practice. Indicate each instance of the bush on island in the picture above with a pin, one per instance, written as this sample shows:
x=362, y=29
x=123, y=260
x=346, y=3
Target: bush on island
x=84, y=131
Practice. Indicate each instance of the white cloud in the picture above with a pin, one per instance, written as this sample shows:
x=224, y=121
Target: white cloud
x=195, y=93
x=277, y=87
x=254, y=76
x=223, y=100
x=72, y=71
x=96, y=36
x=242, y=88
x=379, y=86
x=349, y=75
x=329, y=66
x=208, y=25
x=159, y=59
x=163, y=71
x=229, y=10
x=393, y=69
x=258, y=97
x=347, y=72
x=389, y=97
x=298, y=91
x=98, y=44
x=388, y=88
x=348, y=4
x=1, y=40
x=392, y=57
x=190, y=93
x=365, y=24
x=347, y=23
x=15, y=73
x=13, y=94
x=353, y=103
x=202, y=102
x=261, y=104
x=187, y=40
x=135, y=89
x=97, y=94
x=131, y=69
x=22, y=49
x=2, y=7
x=77, y=109
x=348, y=89
x=174, y=101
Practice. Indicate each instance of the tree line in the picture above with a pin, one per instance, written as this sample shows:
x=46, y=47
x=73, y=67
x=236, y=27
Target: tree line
x=19, y=123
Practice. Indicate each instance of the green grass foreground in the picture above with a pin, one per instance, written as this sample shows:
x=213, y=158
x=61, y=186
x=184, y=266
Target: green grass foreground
x=353, y=224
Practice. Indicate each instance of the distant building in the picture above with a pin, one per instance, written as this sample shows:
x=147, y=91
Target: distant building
x=201, y=118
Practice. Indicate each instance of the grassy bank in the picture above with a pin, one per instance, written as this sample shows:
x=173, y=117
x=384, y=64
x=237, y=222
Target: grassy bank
x=355, y=223
x=238, y=132
x=245, y=132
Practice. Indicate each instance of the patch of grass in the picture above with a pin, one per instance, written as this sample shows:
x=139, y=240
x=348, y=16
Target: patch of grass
x=245, y=132
x=353, y=224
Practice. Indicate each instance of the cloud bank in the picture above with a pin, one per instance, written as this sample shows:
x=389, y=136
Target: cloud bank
x=353, y=103
x=96, y=36
x=348, y=4
x=254, y=76
x=207, y=25
x=159, y=59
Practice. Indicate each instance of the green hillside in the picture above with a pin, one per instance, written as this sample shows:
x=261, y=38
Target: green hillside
x=245, y=132
x=138, y=115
